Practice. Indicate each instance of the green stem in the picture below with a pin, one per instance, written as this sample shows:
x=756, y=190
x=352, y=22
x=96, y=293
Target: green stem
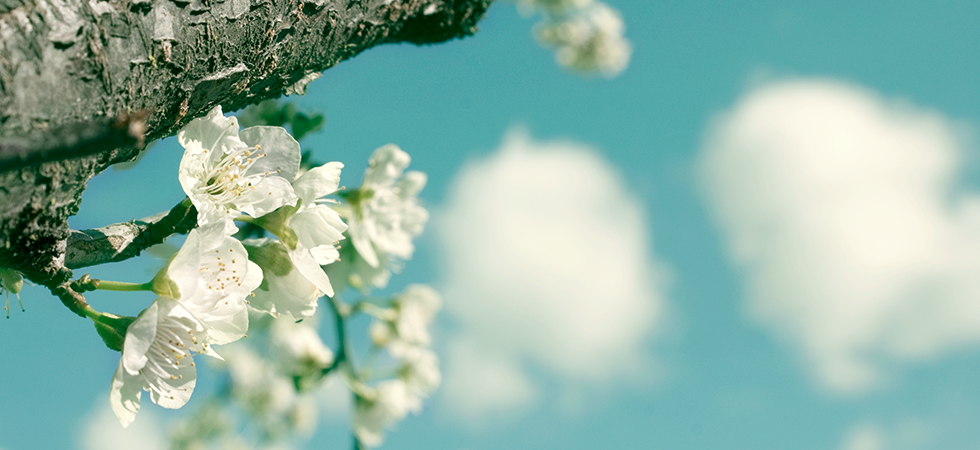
x=345, y=354
x=373, y=310
x=90, y=312
x=106, y=285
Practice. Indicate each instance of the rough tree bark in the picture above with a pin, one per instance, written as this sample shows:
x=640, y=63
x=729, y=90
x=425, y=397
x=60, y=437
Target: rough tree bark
x=84, y=82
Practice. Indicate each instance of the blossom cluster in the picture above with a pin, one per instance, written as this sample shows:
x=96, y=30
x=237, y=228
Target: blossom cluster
x=402, y=329
x=213, y=285
x=587, y=35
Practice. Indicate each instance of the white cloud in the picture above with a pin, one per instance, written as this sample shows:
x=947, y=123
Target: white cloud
x=864, y=437
x=103, y=432
x=838, y=206
x=547, y=263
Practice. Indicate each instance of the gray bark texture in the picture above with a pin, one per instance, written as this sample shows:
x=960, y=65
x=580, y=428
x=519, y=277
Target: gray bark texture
x=84, y=83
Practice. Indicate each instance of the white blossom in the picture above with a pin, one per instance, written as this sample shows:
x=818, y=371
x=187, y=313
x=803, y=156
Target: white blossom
x=212, y=277
x=257, y=385
x=284, y=290
x=403, y=330
x=302, y=417
x=380, y=333
x=269, y=396
x=383, y=406
x=156, y=357
x=384, y=216
x=404, y=327
x=420, y=369
x=299, y=347
x=226, y=172
x=417, y=306
x=589, y=41
x=352, y=270
x=310, y=231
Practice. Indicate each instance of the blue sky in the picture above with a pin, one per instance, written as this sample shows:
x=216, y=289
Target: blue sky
x=697, y=136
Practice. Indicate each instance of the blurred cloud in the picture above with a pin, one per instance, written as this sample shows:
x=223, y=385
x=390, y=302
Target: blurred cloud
x=102, y=431
x=837, y=204
x=547, y=264
x=902, y=434
x=482, y=383
x=864, y=437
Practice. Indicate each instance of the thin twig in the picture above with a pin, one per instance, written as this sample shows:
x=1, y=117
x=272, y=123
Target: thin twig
x=121, y=241
x=74, y=140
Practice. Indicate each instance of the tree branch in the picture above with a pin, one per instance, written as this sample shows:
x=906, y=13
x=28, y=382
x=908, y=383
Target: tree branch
x=121, y=241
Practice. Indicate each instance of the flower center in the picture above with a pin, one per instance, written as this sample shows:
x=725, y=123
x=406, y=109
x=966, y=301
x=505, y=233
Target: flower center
x=225, y=180
x=220, y=270
x=174, y=342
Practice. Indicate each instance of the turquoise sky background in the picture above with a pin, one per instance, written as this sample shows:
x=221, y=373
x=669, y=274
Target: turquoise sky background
x=716, y=378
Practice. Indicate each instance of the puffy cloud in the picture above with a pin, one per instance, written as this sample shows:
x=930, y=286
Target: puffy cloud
x=839, y=207
x=103, y=432
x=548, y=263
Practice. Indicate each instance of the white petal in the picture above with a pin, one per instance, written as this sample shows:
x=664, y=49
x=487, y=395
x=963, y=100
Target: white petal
x=266, y=196
x=304, y=262
x=325, y=254
x=292, y=294
x=317, y=226
x=281, y=150
x=171, y=377
x=264, y=301
x=253, y=278
x=227, y=322
x=184, y=267
x=318, y=182
x=139, y=337
x=174, y=393
x=362, y=243
x=386, y=164
x=214, y=132
x=411, y=184
x=124, y=395
x=223, y=271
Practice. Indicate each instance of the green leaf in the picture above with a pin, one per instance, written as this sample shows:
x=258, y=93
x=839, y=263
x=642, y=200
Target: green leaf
x=112, y=329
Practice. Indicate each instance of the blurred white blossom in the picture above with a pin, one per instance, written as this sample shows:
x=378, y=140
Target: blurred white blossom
x=589, y=41
x=417, y=306
x=385, y=214
x=420, y=369
x=382, y=407
x=261, y=390
x=406, y=323
x=299, y=347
